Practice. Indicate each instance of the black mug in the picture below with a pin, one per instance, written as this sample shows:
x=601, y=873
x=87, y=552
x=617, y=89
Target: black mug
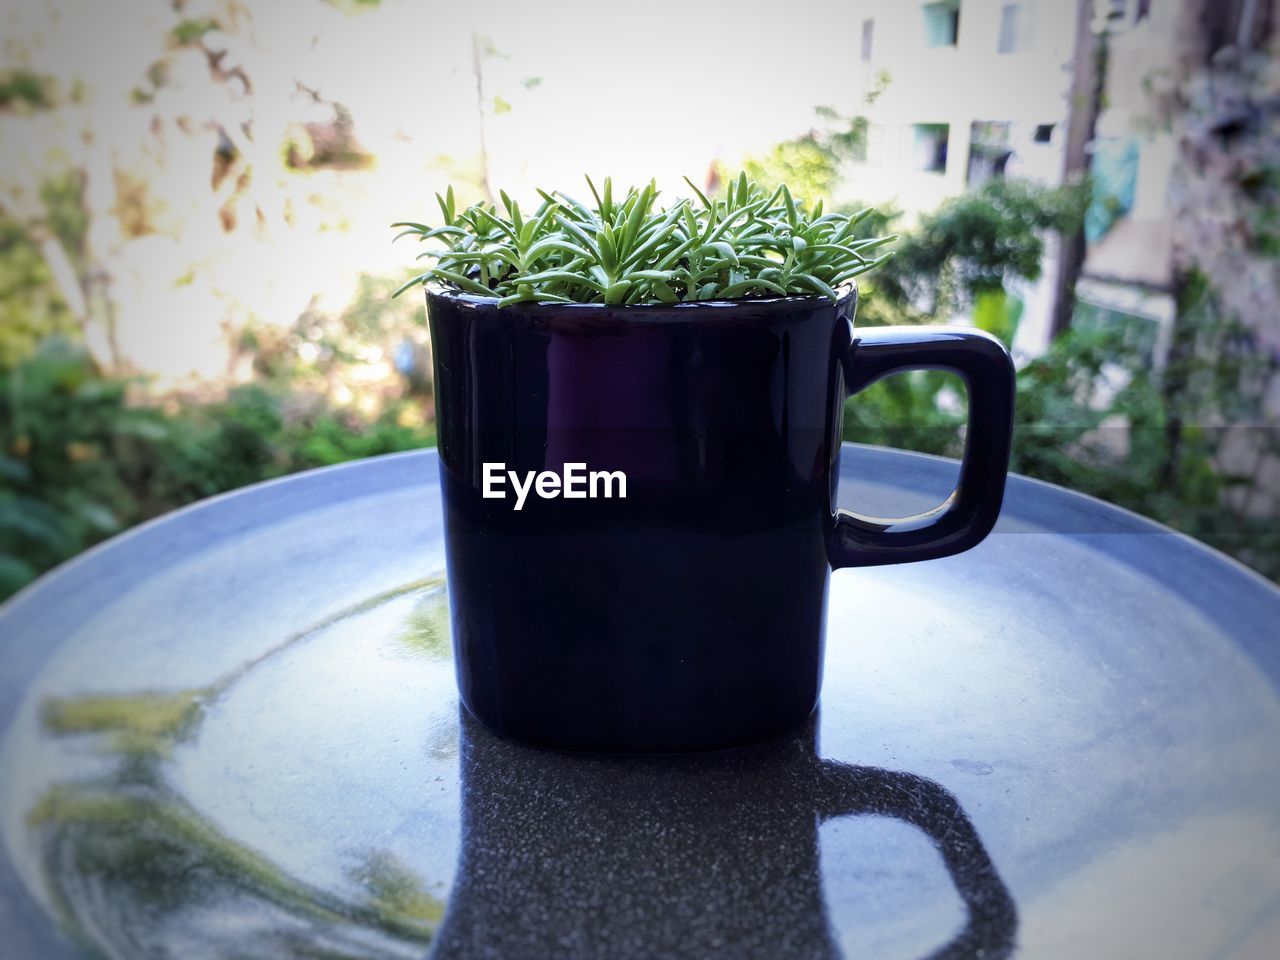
x=639, y=506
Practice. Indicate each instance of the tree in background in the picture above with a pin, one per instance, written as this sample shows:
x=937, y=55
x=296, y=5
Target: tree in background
x=968, y=256
x=189, y=174
x=812, y=165
x=79, y=462
x=1221, y=391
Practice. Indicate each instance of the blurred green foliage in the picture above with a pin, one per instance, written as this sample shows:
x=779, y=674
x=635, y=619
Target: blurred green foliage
x=33, y=307
x=966, y=254
x=959, y=257
x=1092, y=415
x=976, y=243
x=24, y=91
x=79, y=461
x=811, y=165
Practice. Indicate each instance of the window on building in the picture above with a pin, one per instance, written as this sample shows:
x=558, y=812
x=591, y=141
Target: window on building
x=1113, y=176
x=868, y=35
x=1139, y=332
x=931, y=147
x=1016, y=24
x=1043, y=133
x=942, y=23
x=1123, y=14
x=989, y=150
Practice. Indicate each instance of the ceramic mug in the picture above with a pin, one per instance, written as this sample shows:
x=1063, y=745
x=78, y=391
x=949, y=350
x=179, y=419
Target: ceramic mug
x=639, y=506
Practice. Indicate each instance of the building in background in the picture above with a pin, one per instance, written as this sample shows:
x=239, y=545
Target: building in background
x=1183, y=119
x=1051, y=90
x=977, y=89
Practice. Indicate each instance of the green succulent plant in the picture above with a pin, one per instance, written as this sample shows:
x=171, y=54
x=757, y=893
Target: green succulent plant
x=746, y=243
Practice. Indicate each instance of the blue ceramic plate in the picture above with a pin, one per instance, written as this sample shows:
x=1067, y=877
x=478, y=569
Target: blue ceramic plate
x=234, y=732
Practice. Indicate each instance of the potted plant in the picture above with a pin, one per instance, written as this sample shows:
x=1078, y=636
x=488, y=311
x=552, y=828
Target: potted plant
x=638, y=412
x=747, y=244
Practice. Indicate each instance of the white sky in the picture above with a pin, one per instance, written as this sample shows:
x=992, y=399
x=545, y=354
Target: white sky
x=637, y=90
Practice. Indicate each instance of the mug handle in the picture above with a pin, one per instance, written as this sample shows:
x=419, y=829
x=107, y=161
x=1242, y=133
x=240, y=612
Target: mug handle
x=965, y=518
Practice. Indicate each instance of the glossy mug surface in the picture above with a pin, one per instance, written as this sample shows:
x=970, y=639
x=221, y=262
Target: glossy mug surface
x=686, y=610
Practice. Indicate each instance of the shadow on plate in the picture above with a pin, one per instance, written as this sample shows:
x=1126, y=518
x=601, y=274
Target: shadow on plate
x=700, y=855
